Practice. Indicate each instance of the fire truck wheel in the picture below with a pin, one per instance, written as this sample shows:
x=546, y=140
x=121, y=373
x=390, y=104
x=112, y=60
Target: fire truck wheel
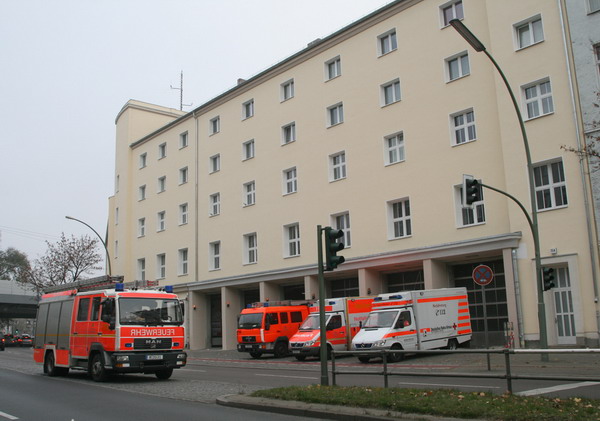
x=97, y=369
x=300, y=357
x=364, y=360
x=255, y=354
x=164, y=374
x=49, y=367
x=281, y=349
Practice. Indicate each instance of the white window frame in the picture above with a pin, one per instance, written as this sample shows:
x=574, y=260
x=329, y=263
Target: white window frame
x=460, y=59
x=337, y=166
x=399, y=223
x=143, y=161
x=250, y=249
x=291, y=235
x=214, y=262
x=161, y=266
x=248, y=150
x=387, y=42
x=214, y=204
x=341, y=221
x=525, y=32
x=554, y=189
x=215, y=163
x=183, y=214
x=183, y=140
x=333, y=68
x=141, y=227
x=593, y=6
x=162, y=150
x=141, y=269
x=249, y=193
x=456, y=9
x=542, y=102
x=393, y=146
x=214, y=125
x=162, y=184
x=462, y=130
x=142, y=193
x=335, y=114
x=290, y=181
x=183, y=175
x=182, y=261
x=288, y=133
x=390, y=92
x=287, y=90
x=161, y=221
x=248, y=109
x=472, y=215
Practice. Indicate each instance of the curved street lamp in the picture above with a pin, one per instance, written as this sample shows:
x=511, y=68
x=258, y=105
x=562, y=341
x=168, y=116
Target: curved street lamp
x=101, y=240
x=479, y=47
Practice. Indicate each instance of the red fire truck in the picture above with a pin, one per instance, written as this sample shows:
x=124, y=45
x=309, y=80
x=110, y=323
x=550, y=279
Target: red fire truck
x=99, y=326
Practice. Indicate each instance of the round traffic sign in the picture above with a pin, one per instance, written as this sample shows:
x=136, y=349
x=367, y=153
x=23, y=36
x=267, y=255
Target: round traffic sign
x=483, y=275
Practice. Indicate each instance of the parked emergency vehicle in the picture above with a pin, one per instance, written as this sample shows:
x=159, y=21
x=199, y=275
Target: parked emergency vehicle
x=98, y=326
x=343, y=320
x=415, y=320
x=266, y=327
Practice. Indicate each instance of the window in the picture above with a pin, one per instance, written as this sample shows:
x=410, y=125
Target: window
x=83, y=309
x=162, y=184
x=451, y=10
x=249, y=193
x=390, y=92
x=550, y=186
x=457, y=66
x=288, y=133
x=287, y=90
x=141, y=269
x=183, y=175
x=161, y=223
x=215, y=204
x=161, y=266
x=342, y=222
x=183, y=140
x=248, y=149
x=250, y=249
x=183, y=262
x=215, y=125
x=335, y=114
x=399, y=219
x=215, y=255
x=594, y=5
x=463, y=127
x=142, y=192
x=183, y=214
x=538, y=99
x=467, y=216
x=387, y=42
x=248, y=109
x=215, y=163
x=116, y=249
x=529, y=32
x=394, y=148
x=162, y=151
x=337, y=164
x=143, y=160
x=333, y=68
x=290, y=181
x=292, y=240
x=141, y=227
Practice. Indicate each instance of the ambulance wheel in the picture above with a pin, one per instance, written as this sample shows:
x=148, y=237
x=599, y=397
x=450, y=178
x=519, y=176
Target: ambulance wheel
x=394, y=357
x=97, y=369
x=255, y=354
x=164, y=374
x=452, y=344
x=364, y=360
x=281, y=349
x=300, y=357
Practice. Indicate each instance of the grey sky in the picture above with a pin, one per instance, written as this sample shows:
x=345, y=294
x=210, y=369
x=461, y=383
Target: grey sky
x=68, y=66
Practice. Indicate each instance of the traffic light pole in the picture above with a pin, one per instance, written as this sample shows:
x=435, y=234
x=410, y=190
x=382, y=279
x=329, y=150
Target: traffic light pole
x=323, y=334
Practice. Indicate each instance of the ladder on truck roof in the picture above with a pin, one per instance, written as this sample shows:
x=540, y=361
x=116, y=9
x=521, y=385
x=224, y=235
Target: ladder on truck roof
x=100, y=282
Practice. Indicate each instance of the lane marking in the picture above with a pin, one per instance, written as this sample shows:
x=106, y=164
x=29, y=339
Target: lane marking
x=287, y=377
x=8, y=416
x=558, y=388
x=457, y=386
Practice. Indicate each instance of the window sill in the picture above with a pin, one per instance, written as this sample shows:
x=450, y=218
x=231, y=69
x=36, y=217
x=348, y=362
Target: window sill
x=399, y=238
x=391, y=103
x=458, y=78
x=553, y=208
x=463, y=143
x=527, y=46
x=389, y=164
x=334, y=125
x=387, y=53
x=538, y=116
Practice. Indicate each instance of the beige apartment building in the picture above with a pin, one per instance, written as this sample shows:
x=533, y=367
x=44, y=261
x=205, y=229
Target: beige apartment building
x=370, y=130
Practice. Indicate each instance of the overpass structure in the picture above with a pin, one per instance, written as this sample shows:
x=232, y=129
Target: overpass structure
x=16, y=302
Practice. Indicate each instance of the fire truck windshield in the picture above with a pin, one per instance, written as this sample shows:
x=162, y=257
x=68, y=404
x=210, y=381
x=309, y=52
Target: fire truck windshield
x=311, y=323
x=250, y=321
x=380, y=319
x=149, y=311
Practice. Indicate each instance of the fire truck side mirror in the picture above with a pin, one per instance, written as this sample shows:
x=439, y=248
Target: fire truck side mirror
x=182, y=305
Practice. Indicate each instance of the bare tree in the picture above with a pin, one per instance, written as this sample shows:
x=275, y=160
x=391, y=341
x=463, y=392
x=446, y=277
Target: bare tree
x=591, y=149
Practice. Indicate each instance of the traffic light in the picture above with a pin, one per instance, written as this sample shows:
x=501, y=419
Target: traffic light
x=332, y=260
x=471, y=191
x=548, y=278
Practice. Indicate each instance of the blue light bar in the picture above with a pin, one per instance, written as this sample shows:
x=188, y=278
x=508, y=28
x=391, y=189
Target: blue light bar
x=377, y=299
x=169, y=288
x=119, y=286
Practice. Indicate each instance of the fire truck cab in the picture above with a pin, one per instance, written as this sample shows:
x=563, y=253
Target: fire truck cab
x=99, y=326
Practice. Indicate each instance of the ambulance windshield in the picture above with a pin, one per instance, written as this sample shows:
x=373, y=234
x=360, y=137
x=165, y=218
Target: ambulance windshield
x=311, y=323
x=250, y=321
x=149, y=312
x=381, y=319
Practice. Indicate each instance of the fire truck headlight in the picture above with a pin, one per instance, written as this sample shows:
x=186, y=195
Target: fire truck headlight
x=121, y=358
x=181, y=356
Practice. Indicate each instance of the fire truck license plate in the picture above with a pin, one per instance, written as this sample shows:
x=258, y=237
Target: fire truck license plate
x=154, y=357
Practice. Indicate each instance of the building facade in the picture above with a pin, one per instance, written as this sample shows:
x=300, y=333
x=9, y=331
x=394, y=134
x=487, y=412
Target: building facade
x=370, y=130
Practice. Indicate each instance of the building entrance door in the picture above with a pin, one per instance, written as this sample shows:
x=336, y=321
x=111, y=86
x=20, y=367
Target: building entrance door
x=563, y=308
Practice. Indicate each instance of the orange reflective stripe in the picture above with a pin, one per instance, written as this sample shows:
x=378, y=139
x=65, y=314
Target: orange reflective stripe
x=395, y=334
x=467, y=317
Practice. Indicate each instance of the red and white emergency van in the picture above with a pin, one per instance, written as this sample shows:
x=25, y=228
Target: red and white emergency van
x=98, y=326
x=343, y=320
x=415, y=320
x=266, y=327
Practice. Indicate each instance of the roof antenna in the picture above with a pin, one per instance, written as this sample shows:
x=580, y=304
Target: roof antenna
x=180, y=89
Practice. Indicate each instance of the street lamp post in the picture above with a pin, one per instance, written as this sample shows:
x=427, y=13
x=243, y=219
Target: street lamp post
x=479, y=47
x=101, y=240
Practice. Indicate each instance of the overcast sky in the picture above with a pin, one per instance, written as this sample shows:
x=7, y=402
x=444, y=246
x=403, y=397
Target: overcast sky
x=68, y=66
